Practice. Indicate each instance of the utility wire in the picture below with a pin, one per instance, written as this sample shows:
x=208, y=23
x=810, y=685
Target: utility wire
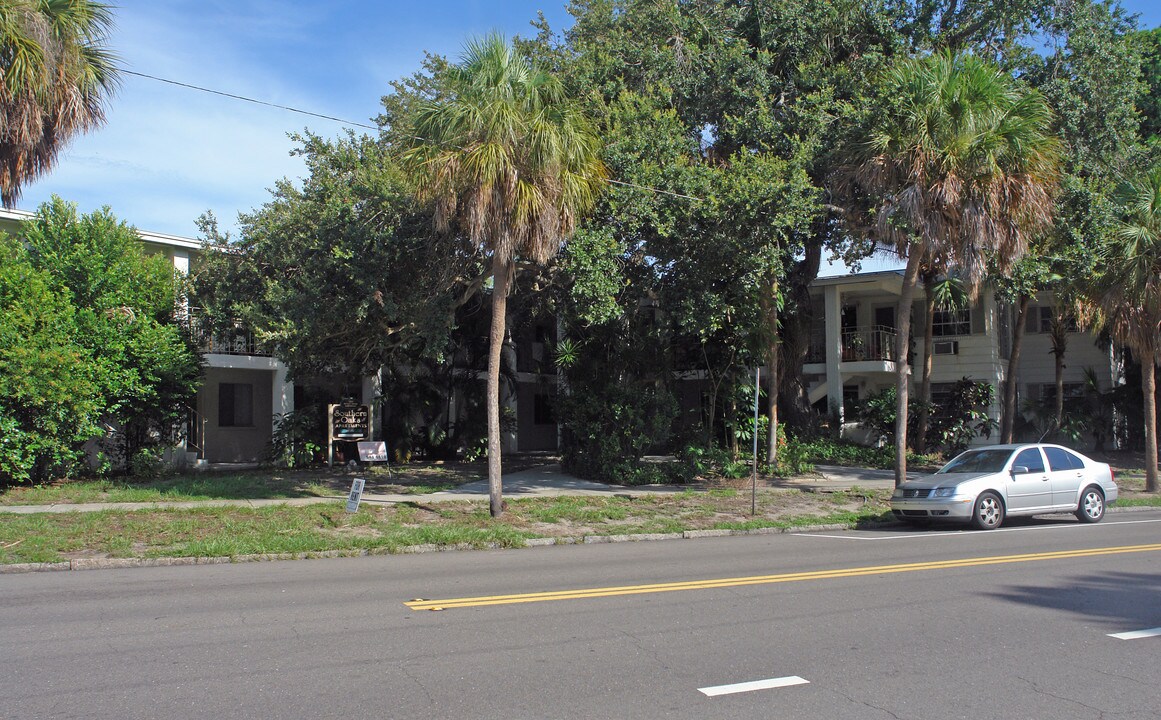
x=250, y=100
x=355, y=124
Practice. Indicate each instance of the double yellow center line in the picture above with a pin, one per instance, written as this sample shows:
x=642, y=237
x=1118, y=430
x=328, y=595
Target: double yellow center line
x=482, y=601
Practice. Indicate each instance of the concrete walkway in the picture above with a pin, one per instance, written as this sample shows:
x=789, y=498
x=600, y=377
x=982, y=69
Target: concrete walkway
x=543, y=481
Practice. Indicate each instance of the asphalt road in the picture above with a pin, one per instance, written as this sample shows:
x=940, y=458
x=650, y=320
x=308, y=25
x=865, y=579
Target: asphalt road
x=897, y=623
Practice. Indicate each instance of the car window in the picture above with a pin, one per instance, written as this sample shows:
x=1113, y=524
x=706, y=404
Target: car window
x=1031, y=459
x=975, y=461
x=1061, y=459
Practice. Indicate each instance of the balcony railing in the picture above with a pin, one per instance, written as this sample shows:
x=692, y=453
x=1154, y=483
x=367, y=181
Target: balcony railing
x=875, y=344
x=237, y=340
x=878, y=343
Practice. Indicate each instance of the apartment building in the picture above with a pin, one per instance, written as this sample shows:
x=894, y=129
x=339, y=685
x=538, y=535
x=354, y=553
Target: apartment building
x=246, y=389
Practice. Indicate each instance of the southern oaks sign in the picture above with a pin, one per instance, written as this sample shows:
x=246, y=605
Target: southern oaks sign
x=349, y=421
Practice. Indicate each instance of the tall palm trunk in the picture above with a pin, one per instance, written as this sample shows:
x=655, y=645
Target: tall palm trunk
x=501, y=279
x=920, y=441
x=1059, y=409
x=903, y=368
x=1059, y=348
x=1008, y=418
x=1149, y=395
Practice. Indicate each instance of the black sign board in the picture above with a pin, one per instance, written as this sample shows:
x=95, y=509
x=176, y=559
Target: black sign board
x=350, y=422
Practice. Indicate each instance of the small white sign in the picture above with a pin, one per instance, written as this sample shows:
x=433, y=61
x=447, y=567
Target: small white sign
x=356, y=495
x=373, y=451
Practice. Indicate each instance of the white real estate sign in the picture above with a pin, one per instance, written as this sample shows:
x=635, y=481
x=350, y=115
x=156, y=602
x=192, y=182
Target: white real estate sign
x=356, y=495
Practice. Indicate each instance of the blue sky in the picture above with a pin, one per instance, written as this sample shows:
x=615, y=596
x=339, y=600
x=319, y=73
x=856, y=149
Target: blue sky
x=167, y=154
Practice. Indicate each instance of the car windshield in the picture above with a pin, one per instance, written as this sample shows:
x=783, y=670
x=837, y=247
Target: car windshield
x=976, y=461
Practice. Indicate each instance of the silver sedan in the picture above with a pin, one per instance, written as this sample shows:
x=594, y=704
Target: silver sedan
x=985, y=485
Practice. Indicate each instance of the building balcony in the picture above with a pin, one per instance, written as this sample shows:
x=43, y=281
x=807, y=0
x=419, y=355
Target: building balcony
x=876, y=344
x=237, y=340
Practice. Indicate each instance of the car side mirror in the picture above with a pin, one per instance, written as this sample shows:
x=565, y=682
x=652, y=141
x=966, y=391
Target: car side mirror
x=1019, y=470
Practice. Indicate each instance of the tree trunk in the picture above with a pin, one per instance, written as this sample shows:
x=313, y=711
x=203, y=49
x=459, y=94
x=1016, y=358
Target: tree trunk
x=920, y=441
x=903, y=368
x=796, y=329
x=1008, y=417
x=1148, y=391
x=501, y=280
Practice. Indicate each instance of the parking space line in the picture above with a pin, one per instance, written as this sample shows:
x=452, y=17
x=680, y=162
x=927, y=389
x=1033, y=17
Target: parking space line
x=753, y=685
x=1137, y=634
x=953, y=531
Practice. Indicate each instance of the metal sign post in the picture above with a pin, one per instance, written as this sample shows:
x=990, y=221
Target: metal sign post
x=754, y=476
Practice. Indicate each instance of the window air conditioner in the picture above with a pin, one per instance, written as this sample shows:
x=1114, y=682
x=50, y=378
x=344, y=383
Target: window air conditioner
x=947, y=347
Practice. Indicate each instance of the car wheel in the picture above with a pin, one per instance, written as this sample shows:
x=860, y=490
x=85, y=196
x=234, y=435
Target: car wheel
x=1092, y=505
x=989, y=511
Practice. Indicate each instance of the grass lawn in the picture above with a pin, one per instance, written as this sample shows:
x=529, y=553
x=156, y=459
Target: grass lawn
x=327, y=527
x=302, y=530
x=245, y=485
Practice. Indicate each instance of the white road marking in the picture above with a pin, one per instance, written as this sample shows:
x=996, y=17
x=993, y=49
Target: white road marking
x=1137, y=634
x=753, y=685
x=954, y=531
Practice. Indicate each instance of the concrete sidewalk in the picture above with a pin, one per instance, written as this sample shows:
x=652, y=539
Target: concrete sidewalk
x=543, y=481
x=834, y=478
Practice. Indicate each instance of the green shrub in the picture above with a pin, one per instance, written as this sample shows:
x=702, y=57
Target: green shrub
x=609, y=429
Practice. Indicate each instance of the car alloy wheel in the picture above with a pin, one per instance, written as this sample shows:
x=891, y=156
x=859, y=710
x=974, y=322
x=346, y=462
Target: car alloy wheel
x=989, y=511
x=1092, y=506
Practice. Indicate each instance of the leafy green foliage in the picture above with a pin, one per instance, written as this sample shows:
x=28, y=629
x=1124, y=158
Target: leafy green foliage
x=954, y=422
x=342, y=273
x=1149, y=101
x=89, y=341
x=962, y=417
x=610, y=426
x=299, y=437
x=48, y=406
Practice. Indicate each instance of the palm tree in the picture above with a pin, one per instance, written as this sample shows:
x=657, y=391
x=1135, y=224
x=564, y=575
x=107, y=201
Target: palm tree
x=957, y=171
x=510, y=162
x=1128, y=294
x=57, y=77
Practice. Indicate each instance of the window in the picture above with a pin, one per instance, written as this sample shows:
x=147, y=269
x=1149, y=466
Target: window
x=1031, y=459
x=950, y=323
x=1071, y=391
x=235, y=405
x=1061, y=459
x=1040, y=320
x=941, y=393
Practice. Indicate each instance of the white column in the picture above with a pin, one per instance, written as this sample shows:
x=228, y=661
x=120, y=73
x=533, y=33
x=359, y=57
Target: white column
x=832, y=303
x=283, y=394
x=372, y=390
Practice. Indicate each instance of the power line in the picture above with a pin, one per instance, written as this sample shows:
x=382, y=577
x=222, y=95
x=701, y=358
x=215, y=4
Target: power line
x=250, y=100
x=355, y=124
